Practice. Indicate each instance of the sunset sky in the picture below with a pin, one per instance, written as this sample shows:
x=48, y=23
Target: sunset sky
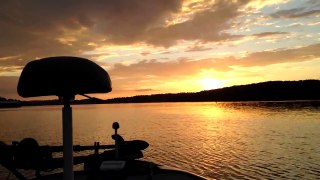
x=165, y=46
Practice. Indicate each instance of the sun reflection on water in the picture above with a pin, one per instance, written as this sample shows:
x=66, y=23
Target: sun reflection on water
x=247, y=140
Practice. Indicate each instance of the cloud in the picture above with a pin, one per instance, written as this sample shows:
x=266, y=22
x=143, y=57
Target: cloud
x=295, y=13
x=36, y=29
x=197, y=48
x=269, y=34
x=167, y=69
x=314, y=3
x=147, y=75
x=46, y=28
x=281, y=56
x=207, y=25
x=144, y=90
x=51, y=28
x=154, y=74
x=127, y=21
x=145, y=53
x=185, y=66
x=259, y=4
x=9, y=86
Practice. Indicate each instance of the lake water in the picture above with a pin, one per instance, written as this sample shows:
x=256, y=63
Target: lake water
x=253, y=140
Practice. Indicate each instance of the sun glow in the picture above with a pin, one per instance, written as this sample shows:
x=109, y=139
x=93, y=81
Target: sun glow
x=211, y=83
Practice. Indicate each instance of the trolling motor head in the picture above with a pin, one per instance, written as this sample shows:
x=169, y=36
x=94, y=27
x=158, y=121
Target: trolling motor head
x=115, y=126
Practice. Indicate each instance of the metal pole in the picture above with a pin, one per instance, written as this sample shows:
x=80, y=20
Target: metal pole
x=67, y=140
x=116, y=144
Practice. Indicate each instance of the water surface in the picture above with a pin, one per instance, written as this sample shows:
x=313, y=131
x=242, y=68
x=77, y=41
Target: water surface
x=259, y=140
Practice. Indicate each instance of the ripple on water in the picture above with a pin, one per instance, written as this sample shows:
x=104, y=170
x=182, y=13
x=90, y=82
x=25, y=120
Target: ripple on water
x=215, y=140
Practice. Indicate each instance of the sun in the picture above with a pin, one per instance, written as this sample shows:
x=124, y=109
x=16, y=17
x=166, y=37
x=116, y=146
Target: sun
x=211, y=83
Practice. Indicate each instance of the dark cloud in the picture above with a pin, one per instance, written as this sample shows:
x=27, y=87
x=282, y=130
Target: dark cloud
x=31, y=29
x=268, y=34
x=145, y=53
x=36, y=29
x=295, y=13
x=166, y=52
x=45, y=28
x=49, y=28
x=197, y=48
x=127, y=21
x=207, y=25
x=314, y=3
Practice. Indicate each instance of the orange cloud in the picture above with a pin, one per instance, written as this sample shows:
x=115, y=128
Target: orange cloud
x=152, y=76
x=188, y=66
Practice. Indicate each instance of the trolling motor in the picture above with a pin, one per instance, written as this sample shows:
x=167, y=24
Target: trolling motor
x=126, y=149
x=116, y=164
x=117, y=157
x=28, y=154
x=123, y=150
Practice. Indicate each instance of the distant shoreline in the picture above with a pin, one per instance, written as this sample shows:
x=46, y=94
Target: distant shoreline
x=265, y=91
x=287, y=103
x=271, y=91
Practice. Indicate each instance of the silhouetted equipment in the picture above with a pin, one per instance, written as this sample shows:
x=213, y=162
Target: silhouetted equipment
x=29, y=155
x=67, y=77
x=64, y=77
x=115, y=126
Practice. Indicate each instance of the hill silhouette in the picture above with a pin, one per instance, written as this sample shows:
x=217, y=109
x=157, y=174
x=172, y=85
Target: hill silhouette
x=265, y=91
x=9, y=103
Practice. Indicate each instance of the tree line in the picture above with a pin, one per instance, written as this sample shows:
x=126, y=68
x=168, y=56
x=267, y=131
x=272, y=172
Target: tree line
x=264, y=91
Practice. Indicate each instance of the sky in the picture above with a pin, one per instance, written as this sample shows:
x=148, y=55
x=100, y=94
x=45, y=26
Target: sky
x=165, y=46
